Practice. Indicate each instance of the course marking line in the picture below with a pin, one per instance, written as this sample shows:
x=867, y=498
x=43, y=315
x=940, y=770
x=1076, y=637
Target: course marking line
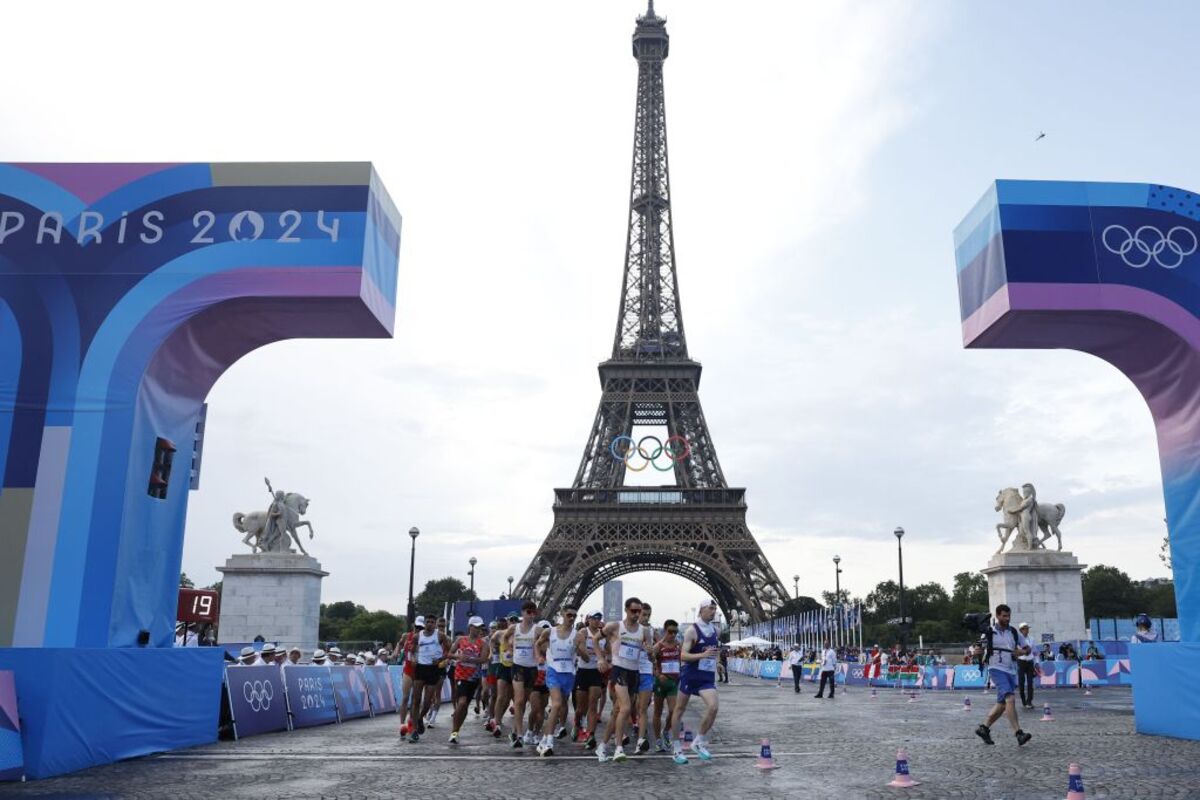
x=421, y=756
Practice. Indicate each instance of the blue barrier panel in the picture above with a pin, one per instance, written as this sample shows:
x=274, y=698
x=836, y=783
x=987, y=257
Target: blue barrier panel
x=379, y=689
x=396, y=678
x=256, y=699
x=310, y=695
x=770, y=669
x=969, y=677
x=1166, y=695
x=82, y=707
x=12, y=758
x=350, y=691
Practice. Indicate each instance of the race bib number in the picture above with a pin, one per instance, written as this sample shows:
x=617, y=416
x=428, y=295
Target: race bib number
x=524, y=652
x=708, y=665
x=630, y=652
x=670, y=667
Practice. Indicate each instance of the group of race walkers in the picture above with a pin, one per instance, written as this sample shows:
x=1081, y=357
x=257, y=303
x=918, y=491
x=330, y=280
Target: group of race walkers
x=517, y=663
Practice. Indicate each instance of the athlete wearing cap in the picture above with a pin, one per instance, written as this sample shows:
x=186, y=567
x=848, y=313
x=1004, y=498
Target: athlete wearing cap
x=698, y=655
x=666, y=682
x=520, y=638
x=589, y=684
x=626, y=640
x=541, y=692
x=560, y=647
x=470, y=653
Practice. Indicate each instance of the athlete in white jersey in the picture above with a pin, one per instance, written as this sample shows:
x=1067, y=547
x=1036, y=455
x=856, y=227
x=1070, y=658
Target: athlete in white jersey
x=520, y=640
x=626, y=641
x=589, y=685
x=432, y=649
x=559, y=647
x=645, y=683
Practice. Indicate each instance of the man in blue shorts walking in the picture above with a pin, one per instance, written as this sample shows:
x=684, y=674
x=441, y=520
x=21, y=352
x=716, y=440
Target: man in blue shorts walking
x=1004, y=646
x=698, y=675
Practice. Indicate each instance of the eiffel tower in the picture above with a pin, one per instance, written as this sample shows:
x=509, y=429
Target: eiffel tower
x=697, y=527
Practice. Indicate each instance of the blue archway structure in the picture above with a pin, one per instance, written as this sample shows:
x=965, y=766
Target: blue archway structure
x=1111, y=269
x=126, y=290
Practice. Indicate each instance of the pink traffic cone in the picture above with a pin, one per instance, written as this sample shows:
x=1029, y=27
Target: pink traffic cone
x=1046, y=715
x=1075, y=784
x=765, y=759
x=902, y=779
x=966, y=704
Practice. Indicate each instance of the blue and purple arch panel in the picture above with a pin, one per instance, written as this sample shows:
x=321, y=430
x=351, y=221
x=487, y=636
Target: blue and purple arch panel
x=1111, y=269
x=126, y=290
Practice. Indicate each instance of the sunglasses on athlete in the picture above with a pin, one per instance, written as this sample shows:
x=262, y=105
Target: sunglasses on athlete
x=635, y=611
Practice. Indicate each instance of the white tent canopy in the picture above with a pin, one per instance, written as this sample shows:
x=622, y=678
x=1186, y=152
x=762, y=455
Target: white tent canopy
x=751, y=641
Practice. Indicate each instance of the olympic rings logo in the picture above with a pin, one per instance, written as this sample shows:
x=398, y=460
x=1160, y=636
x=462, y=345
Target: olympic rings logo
x=971, y=674
x=675, y=448
x=1148, y=244
x=858, y=673
x=258, y=694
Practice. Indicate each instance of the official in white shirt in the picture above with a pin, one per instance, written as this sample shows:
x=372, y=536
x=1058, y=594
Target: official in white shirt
x=795, y=660
x=828, y=668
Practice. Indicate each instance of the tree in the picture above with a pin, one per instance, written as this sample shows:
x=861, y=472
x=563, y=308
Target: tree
x=436, y=594
x=798, y=605
x=343, y=610
x=1158, y=601
x=373, y=626
x=970, y=592
x=1108, y=592
x=830, y=601
x=883, y=603
x=185, y=582
x=1164, y=553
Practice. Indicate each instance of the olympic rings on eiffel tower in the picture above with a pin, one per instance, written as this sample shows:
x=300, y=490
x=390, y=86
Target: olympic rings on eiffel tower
x=675, y=448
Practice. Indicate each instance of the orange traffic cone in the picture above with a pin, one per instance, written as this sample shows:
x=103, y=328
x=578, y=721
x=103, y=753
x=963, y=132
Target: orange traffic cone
x=1075, y=784
x=966, y=704
x=765, y=759
x=1046, y=715
x=903, y=779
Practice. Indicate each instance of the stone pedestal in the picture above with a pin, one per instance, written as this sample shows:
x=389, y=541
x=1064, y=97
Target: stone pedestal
x=277, y=595
x=1043, y=588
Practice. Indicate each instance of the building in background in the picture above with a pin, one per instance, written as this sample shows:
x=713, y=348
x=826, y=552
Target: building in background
x=614, y=600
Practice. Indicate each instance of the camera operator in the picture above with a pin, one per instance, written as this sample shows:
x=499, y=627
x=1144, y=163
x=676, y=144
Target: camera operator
x=1004, y=645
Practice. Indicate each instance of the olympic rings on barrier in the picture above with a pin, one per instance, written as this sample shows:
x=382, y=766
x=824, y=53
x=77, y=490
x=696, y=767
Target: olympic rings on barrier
x=258, y=694
x=1148, y=243
x=676, y=448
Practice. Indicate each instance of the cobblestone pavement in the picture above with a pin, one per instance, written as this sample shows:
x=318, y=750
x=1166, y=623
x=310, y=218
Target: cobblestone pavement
x=825, y=749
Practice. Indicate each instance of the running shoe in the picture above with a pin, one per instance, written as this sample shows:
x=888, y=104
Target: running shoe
x=643, y=746
x=619, y=755
x=530, y=738
x=478, y=711
x=660, y=746
x=414, y=738
x=420, y=726
x=512, y=737
x=517, y=744
x=601, y=755
x=624, y=740
x=560, y=732
x=581, y=735
x=497, y=732
x=1023, y=737
x=454, y=738
x=547, y=748
x=487, y=726
x=983, y=733
x=701, y=749
x=590, y=744
x=679, y=758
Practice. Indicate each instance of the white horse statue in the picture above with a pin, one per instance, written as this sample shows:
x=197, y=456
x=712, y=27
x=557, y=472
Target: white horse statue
x=1026, y=516
x=268, y=531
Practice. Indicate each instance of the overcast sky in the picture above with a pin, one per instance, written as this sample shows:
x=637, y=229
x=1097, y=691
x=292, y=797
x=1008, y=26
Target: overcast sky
x=821, y=155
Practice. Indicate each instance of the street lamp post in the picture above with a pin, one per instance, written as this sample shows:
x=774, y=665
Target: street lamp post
x=412, y=563
x=837, y=589
x=796, y=585
x=510, y=587
x=903, y=614
x=472, y=561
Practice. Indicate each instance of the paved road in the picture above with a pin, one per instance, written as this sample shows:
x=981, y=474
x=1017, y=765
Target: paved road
x=825, y=749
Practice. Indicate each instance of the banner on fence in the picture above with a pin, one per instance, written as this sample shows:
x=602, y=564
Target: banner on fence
x=396, y=678
x=379, y=689
x=350, y=692
x=256, y=699
x=12, y=758
x=309, y=695
x=969, y=676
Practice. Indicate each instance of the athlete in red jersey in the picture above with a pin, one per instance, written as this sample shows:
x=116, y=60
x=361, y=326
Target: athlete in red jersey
x=666, y=681
x=405, y=649
x=470, y=655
